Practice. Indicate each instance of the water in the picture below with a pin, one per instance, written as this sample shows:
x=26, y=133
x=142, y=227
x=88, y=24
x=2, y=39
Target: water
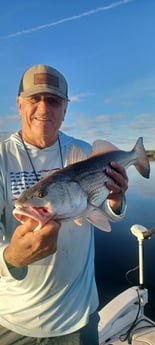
x=117, y=252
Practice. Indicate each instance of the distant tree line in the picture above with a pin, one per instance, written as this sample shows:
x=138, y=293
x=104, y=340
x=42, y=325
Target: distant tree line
x=151, y=154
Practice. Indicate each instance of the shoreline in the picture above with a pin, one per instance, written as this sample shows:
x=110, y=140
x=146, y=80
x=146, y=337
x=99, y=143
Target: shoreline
x=151, y=154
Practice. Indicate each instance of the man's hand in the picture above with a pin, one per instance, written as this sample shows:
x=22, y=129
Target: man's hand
x=27, y=246
x=117, y=186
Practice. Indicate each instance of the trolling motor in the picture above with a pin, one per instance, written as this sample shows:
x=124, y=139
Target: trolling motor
x=141, y=233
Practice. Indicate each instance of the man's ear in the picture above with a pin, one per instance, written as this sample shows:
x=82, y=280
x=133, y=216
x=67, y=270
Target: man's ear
x=65, y=109
x=19, y=102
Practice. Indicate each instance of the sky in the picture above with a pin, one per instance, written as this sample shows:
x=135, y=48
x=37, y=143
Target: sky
x=106, y=51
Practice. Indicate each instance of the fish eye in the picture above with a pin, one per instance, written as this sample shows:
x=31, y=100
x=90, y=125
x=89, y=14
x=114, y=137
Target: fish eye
x=41, y=194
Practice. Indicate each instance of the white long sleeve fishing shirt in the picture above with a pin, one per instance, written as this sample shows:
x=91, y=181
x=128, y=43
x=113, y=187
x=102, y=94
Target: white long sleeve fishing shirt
x=55, y=295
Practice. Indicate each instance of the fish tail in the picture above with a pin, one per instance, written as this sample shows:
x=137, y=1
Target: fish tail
x=142, y=164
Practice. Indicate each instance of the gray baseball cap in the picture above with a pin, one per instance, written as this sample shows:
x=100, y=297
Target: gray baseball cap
x=42, y=79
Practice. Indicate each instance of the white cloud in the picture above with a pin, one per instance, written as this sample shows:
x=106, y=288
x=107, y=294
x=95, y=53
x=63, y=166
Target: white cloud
x=80, y=96
x=68, y=19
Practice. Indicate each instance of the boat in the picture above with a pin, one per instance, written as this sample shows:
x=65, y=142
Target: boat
x=123, y=319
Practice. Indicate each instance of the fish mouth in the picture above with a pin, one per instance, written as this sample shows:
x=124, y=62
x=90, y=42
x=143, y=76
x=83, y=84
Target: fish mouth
x=39, y=214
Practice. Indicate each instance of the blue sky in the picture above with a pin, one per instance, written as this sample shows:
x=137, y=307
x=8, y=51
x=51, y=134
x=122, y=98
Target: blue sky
x=105, y=49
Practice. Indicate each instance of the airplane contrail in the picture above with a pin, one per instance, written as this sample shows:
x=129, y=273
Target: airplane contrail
x=67, y=19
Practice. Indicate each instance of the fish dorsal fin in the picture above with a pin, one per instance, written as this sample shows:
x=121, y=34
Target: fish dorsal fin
x=102, y=146
x=76, y=154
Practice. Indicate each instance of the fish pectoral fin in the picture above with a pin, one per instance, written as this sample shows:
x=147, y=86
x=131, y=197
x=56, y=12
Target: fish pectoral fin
x=98, y=218
x=78, y=221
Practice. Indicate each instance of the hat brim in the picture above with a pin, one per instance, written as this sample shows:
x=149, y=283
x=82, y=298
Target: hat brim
x=37, y=90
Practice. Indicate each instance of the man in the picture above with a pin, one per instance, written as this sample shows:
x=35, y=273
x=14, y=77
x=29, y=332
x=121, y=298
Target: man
x=48, y=293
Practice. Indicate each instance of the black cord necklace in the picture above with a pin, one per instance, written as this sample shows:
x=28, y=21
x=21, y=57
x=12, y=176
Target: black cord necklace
x=30, y=159
x=60, y=150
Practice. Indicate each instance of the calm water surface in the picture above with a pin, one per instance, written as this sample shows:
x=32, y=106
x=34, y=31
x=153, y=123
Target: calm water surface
x=117, y=252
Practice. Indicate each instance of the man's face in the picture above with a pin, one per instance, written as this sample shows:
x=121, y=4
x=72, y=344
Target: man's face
x=41, y=115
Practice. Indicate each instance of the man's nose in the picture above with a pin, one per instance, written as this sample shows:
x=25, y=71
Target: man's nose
x=43, y=104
